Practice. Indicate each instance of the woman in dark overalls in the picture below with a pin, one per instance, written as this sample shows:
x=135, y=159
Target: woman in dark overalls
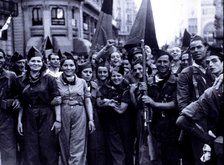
x=40, y=99
x=117, y=119
x=96, y=144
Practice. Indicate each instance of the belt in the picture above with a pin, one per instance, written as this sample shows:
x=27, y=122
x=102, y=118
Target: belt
x=72, y=102
x=37, y=106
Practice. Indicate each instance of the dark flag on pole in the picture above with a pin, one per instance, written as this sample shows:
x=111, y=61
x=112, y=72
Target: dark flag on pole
x=48, y=44
x=104, y=26
x=186, y=39
x=47, y=47
x=143, y=27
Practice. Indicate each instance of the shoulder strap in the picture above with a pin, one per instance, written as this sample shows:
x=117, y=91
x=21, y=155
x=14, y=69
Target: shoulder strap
x=195, y=83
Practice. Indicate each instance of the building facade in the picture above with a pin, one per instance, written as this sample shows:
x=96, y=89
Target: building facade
x=198, y=18
x=124, y=14
x=62, y=20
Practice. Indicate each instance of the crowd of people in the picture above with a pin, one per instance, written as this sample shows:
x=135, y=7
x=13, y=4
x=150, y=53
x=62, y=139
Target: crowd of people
x=114, y=106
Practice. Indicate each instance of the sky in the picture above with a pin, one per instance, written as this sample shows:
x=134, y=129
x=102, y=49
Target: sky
x=166, y=18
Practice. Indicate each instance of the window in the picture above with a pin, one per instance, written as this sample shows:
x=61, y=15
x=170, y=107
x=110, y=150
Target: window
x=74, y=20
x=85, y=23
x=37, y=16
x=57, y=16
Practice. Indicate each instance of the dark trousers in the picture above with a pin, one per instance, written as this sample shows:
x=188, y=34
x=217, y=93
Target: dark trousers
x=96, y=145
x=191, y=150
x=167, y=153
x=120, y=145
x=7, y=139
x=41, y=147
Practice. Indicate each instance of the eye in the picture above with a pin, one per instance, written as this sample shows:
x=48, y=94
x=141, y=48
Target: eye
x=192, y=48
x=199, y=47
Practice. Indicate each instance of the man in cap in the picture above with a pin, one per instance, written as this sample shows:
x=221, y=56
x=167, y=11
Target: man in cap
x=208, y=107
x=8, y=105
x=161, y=99
x=192, y=82
x=215, y=61
x=18, y=64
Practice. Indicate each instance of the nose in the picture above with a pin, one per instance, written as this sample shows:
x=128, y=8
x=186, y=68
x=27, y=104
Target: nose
x=162, y=64
x=210, y=64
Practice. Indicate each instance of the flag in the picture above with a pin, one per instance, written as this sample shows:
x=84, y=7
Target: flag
x=6, y=25
x=186, y=39
x=143, y=27
x=47, y=47
x=104, y=26
x=48, y=44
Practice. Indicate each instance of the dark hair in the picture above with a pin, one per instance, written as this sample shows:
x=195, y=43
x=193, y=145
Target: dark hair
x=82, y=67
x=49, y=56
x=198, y=38
x=189, y=55
x=116, y=51
x=138, y=61
x=67, y=56
x=119, y=69
x=102, y=65
x=2, y=51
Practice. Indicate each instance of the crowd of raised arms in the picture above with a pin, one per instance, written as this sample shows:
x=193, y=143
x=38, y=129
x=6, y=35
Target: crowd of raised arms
x=114, y=106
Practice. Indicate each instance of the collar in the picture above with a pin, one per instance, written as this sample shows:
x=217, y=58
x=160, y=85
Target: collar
x=199, y=67
x=66, y=82
x=4, y=74
x=172, y=78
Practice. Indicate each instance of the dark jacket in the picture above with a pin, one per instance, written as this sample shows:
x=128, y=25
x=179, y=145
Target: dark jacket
x=187, y=87
x=209, y=106
x=163, y=122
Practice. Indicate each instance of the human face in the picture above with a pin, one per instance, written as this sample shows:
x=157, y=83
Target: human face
x=215, y=64
x=148, y=49
x=94, y=59
x=81, y=60
x=138, y=71
x=21, y=65
x=116, y=77
x=35, y=64
x=54, y=61
x=2, y=60
x=185, y=60
x=163, y=64
x=197, y=49
x=68, y=68
x=127, y=65
x=102, y=73
x=87, y=74
x=136, y=57
x=115, y=59
x=175, y=53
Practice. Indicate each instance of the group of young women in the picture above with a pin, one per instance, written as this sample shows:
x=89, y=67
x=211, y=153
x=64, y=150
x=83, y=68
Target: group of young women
x=84, y=115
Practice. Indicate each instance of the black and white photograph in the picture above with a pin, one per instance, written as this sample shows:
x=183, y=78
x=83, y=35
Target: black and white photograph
x=111, y=82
